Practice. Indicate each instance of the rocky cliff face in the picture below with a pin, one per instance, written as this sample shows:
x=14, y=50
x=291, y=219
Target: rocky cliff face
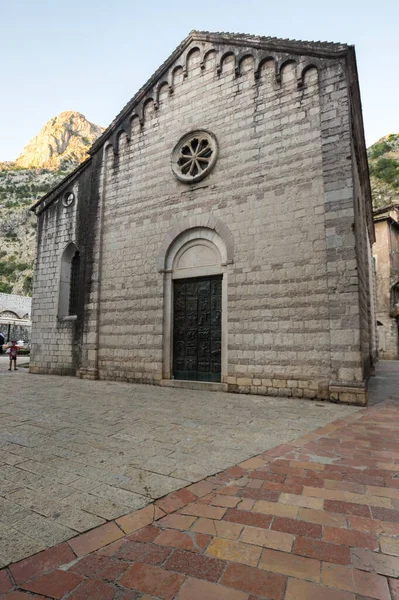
x=58, y=148
x=384, y=170
x=62, y=143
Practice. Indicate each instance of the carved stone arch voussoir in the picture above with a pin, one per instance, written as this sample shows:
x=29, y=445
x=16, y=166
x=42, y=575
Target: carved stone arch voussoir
x=195, y=222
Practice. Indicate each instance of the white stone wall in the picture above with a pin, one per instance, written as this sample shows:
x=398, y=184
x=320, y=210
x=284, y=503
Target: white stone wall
x=282, y=185
x=20, y=305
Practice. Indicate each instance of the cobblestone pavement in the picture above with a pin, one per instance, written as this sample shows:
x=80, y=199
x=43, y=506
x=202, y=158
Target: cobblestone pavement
x=315, y=519
x=75, y=454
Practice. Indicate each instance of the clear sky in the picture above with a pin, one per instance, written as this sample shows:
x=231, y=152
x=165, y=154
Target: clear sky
x=93, y=55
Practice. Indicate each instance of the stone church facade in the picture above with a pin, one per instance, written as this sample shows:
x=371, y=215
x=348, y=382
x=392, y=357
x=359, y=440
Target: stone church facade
x=219, y=235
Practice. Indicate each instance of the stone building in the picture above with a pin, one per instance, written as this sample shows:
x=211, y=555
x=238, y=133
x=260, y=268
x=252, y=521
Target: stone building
x=219, y=235
x=386, y=261
x=15, y=315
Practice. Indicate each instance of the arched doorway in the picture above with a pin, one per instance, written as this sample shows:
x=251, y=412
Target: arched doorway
x=195, y=306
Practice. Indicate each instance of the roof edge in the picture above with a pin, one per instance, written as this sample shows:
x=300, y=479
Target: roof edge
x=319, y=49
x=63, y=183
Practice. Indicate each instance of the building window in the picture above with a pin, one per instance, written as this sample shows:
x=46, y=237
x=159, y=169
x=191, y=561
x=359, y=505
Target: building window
x=69, y=282
x=74, y=284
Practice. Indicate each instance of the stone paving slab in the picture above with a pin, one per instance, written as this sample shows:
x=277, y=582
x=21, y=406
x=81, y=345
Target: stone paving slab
x=313, y=519
x=76, y=454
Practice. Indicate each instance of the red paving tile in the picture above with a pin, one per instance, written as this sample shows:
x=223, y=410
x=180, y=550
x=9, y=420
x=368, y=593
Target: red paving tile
x=41, y=563
x=5, y=582
x=56, y=584
x=195, y=589
x=322, y=551
x=151, y=554
x=152, y=580
x=94, y=539
x=99, y=566
x=16, y=596
x=248, y=518
x=93, y=589
x=255, y=581
x=286, y=525
x=347, y=508
x=195, y=565
x=297, y=527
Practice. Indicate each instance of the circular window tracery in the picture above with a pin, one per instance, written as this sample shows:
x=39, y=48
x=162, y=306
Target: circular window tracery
x=194, y=156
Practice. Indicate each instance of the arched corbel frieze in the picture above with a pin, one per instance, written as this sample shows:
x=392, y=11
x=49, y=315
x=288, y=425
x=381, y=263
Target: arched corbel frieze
x=240, y=58
x=164, y=84
x=222, y=59
x=206, y=58
x=281, y=64
x=189, y=54
x=303, y=68
x=260, y=61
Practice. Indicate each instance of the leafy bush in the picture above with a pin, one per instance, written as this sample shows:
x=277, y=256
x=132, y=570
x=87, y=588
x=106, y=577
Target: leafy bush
x=379, y=149
x=387, y=170
x=5, y=287
x=28, y=285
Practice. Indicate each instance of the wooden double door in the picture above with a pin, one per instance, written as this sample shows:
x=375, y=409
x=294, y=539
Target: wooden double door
x=197, y=328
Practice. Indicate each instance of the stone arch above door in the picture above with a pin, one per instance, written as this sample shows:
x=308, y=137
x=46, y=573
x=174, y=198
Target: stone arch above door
x=200, y=227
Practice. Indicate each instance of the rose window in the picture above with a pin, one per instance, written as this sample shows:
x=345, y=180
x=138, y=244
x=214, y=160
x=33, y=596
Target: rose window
x=194, y=156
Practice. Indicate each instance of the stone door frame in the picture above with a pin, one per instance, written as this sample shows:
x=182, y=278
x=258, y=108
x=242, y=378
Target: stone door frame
x=183, y=239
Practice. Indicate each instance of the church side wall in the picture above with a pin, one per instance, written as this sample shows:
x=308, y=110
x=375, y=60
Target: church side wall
x=365, y=276
x=61, y=345
x=52, y=348
x=347, y=380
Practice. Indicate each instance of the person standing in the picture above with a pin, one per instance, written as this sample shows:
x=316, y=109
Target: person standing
x=13, y=355
x=2, y=339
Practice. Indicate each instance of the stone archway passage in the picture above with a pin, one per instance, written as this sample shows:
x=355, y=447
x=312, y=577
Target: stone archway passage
x=197, y=329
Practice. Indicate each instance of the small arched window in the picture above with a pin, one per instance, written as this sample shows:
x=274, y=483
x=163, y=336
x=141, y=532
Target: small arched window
x=74, y=284
x=69, y=282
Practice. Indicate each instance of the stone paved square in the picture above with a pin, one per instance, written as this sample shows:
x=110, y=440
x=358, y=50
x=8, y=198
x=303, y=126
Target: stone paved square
x=76, y=453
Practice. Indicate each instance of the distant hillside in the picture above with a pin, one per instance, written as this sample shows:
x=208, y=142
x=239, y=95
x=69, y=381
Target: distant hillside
x=384, y=170
x=57, y=149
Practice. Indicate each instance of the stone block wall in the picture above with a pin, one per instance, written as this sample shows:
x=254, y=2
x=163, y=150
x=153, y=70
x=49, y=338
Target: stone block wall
x=53, y=339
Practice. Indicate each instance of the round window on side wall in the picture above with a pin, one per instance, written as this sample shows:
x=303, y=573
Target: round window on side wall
x=68, y=199
x=194, y=156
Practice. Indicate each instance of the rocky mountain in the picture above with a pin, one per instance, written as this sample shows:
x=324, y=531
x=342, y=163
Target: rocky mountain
x=384, y=170
x=53, y=153
x=61, y=144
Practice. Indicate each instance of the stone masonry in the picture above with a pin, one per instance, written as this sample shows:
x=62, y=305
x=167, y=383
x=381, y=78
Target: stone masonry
x=386, y=257
x=287, y=204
